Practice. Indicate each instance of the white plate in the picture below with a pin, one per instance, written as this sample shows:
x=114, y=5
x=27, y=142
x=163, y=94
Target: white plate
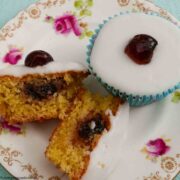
x=23, y=155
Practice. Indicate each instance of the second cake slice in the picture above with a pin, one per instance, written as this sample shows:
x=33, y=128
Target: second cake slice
x=77, y=135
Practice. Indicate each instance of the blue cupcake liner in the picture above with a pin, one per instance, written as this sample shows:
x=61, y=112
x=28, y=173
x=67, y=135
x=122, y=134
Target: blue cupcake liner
x=134, y=100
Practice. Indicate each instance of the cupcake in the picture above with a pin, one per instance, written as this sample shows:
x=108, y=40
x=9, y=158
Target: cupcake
x=136, y=56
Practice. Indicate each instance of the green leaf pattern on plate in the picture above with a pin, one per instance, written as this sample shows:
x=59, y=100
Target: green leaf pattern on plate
x=176, y=97
x=83, y=9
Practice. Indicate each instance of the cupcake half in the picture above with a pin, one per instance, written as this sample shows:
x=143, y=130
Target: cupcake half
x=136, y=56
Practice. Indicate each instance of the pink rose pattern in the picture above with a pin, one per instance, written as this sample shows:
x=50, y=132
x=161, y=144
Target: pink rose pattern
x=67, y=23
x=73, y=21
x=5, y=126
x=13, y=56
x=157, y=147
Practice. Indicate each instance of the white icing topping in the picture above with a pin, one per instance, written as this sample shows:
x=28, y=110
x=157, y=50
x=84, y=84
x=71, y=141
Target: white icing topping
x=52, y=67
x=115, y=68
x=107, y=154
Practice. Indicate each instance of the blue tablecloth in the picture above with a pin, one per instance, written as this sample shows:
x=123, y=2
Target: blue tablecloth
x=9, y=8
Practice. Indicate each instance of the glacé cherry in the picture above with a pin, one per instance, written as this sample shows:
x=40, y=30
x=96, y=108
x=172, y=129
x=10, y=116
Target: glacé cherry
x=140, y=49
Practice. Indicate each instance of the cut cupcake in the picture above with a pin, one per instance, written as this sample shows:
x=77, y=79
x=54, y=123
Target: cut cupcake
x=39, y=91
x=76, y=136
x=134, y=58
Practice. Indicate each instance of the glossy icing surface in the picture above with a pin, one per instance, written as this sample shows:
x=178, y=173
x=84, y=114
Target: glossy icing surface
x=52, y=67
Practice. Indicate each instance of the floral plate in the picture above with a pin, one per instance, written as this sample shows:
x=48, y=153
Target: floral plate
x=150, y=135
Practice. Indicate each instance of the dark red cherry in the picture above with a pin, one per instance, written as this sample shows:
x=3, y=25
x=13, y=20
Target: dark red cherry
x=86, y=131
x=140, y=49
x=40, y=92
x=38, y=58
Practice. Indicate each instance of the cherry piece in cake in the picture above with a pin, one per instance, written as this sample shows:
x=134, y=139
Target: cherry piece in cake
x=140, y=49
x=38, y=58
x=92, y=127
x=40, y=92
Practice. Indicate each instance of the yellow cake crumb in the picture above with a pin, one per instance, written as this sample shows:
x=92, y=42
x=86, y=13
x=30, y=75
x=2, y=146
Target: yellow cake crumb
x=83, y=115
x=17, y=106
x=67, y=150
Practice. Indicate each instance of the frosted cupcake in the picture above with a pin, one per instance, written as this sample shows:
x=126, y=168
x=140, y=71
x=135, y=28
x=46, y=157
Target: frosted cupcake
x=136, y=56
